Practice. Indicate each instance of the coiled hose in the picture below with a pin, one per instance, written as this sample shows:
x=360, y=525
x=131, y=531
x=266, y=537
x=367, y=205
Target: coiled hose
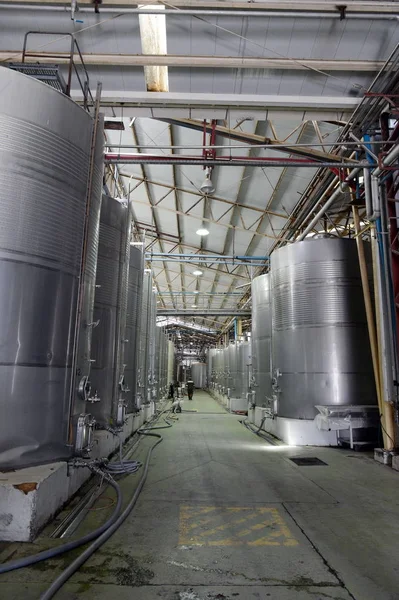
x=53, y=552
x=78, y=562
x=123, y=467
x=72, y=545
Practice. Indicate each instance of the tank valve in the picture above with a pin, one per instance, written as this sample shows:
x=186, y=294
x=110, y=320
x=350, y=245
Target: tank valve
x=94, y=399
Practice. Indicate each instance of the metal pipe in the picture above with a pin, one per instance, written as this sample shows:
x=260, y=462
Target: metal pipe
x=367, y=193
x=387, y=161
x=239, y=161
x=206, y=12
x=330, y=202
x=225, y=312
x=205, y=257
x=375, y=199
x=191, y=262
x=241, y=146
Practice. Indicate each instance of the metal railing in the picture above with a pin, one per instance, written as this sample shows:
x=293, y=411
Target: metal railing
x=72, y=65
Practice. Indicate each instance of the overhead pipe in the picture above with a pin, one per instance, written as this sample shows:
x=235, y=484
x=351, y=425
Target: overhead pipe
x=286, y=13
x=238, y=161
x=374, y=202
x=206, y=256
x=330, y=202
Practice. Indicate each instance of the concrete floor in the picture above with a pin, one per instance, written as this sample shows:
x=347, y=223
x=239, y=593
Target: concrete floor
x=225, y=516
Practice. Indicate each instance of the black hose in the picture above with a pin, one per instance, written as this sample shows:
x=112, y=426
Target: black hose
x=262, y=434
x=53, y=552
x=78, y=562
x=27, y=561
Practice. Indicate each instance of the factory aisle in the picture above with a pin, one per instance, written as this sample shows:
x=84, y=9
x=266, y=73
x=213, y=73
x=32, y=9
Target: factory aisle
x=225, y=516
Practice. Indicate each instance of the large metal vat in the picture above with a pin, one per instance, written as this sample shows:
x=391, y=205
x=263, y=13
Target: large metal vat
x=109, y=303
x=152, y=326
x=261, y=340
x=133, y=325
x=210, y=366
x=244, y=363
x=231, y=353
x=321, y=350
x=171, y=374
x=225, y=369
x=48, y=256
x=198, y=374
x=146, y=373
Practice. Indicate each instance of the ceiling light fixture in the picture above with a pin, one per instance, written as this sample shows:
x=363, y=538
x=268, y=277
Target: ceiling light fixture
x=197, y=273
x=196, y=292
x=207, y=187
x=202, y=231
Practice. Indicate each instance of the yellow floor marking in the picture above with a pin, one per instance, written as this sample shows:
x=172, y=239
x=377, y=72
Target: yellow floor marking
x=270, y=525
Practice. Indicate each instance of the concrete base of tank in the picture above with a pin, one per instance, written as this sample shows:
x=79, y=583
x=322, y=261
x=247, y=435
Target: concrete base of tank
x=30, y=497
x=294, y=432
x=237, y=404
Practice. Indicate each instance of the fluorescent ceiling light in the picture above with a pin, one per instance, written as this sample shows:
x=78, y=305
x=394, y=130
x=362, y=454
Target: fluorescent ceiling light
x=196, y=292
x=197, y=273
x=202, y=231
x=193, y=306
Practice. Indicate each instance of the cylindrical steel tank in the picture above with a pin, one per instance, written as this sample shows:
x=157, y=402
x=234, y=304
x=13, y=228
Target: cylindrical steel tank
x=147, y=381
x=210, y=362
x=152, y=326
x=133, y=325
x=225, y=369
x=321, y=350
x=198, y=374
x=261, y=339
x=219, y=362
x=231, y=352
x=171, y=375
x=143, y=382
x=244, y=363
x=108, y=305
x=48, y=257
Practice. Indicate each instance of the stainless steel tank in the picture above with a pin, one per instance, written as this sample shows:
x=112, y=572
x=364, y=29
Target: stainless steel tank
x=244, y=370
x=109, y=305
x=152, y=326
x=210, y=360
x=225, y=369
x=231, y=380
x=261, y=339
x=321, y=350
x=171, y=374
x=158, y=361
x=133, y=325
x=48, y=257
x=147, y=380
x=198, y=374
x=143, y=381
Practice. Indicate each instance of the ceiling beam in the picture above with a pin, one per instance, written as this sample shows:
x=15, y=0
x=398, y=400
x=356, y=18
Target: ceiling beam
x=283, y=6
x=210, y=196
x=182, y=104
x=201, y=61
x=252, y=138
x=203, y=312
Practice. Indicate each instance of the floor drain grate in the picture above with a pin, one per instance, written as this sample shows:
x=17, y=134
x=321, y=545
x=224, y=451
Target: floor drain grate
x=308, y=461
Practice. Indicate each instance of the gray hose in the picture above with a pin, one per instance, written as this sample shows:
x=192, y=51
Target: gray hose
x=78, y=562
x=123, y=467
x=53, y=552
